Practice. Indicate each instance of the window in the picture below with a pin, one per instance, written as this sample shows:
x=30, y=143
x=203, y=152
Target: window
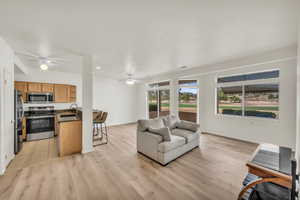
x=262, y=100
x=158, y=99
x=255, y=95
x=187, y=97
x=230, y=100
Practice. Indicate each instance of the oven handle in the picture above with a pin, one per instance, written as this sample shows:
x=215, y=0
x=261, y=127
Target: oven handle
x=23, y=112
x=40, y=117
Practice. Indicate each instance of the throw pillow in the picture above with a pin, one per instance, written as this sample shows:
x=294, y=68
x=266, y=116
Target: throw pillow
x=191, y=126
x=144, y=125
x=164, y=132
x=171, y=121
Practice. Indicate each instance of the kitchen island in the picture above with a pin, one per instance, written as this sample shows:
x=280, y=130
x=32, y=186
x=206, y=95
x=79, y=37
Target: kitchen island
x=68, y=128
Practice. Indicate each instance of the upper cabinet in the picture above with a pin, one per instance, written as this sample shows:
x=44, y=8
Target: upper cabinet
x=22, y=87
x=62, y=93
x=47, y=87
x=72, y=93
x=34, y=87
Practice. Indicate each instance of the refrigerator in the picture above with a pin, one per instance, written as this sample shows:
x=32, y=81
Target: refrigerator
x=18, y=117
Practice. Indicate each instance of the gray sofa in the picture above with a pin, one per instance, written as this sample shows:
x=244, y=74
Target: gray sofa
x=184, y=136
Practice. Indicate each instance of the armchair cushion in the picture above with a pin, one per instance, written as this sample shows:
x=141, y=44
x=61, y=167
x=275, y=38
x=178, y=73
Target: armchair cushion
x=191, y=126
x=188, y=135
x=175, y=142
x=164, y=132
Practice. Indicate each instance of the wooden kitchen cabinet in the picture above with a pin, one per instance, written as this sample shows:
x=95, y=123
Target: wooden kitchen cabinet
x=22, y=87
x=47, y=87
x=34, y=87
x=69, y=137
x=61, y=93
x=24, y=134
x=72, y=93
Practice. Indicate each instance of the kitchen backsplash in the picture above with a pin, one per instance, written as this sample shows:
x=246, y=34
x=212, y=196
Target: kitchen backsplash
x=57, y=106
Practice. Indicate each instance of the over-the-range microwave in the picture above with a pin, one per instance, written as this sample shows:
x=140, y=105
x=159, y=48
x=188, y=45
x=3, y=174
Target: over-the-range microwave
x=40, y=97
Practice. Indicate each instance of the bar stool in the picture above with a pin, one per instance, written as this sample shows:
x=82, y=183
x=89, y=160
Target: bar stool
x=102, y=121
x=96, y=117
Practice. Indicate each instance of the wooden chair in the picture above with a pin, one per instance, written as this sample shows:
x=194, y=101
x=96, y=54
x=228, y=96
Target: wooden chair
x=102, y=121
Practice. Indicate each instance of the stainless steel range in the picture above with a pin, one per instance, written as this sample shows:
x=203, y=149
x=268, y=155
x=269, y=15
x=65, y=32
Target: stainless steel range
x=40, y=123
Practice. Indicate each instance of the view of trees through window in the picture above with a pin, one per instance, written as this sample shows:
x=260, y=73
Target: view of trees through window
x=253, y=94
x=152, y=104
x=230, y=100
x=158, y=103
x=164, y=102
x=188, y=104
x=261, y=100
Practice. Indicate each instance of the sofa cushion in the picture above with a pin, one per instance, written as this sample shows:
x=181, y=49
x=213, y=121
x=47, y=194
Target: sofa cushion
x=186, y=125
x=144, y=125
x=186, y=134
x=171, y=121
x=175, y=142
x=164, y=132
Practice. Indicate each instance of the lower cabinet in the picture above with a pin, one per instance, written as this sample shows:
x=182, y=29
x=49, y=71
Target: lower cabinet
x=69, y=137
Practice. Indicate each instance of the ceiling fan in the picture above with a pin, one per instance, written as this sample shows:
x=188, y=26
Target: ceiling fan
x=130, y=80
x=43, y=61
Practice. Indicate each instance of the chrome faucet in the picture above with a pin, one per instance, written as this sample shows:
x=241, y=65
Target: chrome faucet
x=74, y=106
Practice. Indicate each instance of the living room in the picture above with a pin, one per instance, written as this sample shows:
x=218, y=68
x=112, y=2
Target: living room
x=217, y=80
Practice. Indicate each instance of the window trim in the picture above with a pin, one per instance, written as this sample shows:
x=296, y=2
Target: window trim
x=243, y=84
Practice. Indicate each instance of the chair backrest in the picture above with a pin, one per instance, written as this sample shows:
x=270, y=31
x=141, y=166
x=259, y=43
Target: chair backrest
x=97, y=115
x=103, y=117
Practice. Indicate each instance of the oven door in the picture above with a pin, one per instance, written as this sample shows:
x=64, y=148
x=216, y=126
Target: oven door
x=36, y=125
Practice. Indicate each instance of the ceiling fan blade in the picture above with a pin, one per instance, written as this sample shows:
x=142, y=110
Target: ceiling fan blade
x=59, y=59
x=28, y=54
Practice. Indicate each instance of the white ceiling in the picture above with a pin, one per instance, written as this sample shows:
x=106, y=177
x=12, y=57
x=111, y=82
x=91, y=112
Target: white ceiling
x=147, y=37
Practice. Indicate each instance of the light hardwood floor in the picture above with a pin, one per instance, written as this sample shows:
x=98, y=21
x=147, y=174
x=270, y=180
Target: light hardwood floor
x=116, y=171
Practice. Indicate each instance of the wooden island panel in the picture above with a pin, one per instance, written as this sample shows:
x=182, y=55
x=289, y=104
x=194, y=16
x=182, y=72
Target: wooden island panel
x=69, y=137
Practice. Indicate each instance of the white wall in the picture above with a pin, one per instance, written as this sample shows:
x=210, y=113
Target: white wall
x=281, y=132
x=116, y=98
x=54, y=77
x=6, y=105
x=298, y=100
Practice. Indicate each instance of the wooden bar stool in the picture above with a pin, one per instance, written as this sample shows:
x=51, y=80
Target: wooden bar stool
x=102, y=121
x=96, y=117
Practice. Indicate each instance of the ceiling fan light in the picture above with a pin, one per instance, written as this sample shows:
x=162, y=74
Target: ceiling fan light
x=44, y=67
x=130, y=81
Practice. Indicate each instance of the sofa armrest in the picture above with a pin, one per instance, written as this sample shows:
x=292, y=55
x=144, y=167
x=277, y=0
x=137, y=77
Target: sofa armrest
x=147, y=143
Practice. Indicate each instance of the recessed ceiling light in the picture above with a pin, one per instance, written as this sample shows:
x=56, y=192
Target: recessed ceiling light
x=44, y=67
x=98, y=67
